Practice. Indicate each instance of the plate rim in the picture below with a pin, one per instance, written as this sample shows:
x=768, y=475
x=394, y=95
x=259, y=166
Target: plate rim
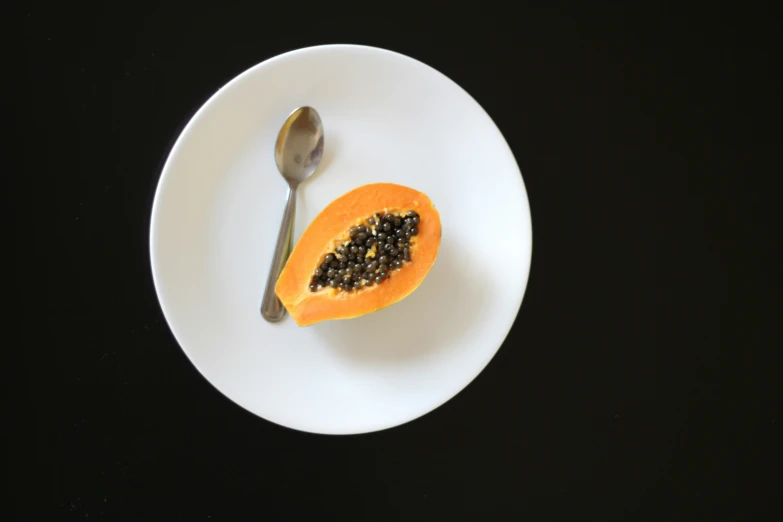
x=187, y=129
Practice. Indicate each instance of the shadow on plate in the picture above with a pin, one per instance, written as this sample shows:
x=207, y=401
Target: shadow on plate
x=445, y=307
x=331, y=146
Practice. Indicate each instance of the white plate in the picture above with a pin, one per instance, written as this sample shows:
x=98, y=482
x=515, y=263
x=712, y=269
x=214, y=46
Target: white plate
x=218, y=207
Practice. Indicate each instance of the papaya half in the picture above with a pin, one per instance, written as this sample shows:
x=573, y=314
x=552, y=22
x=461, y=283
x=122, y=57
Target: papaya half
x=368, y=249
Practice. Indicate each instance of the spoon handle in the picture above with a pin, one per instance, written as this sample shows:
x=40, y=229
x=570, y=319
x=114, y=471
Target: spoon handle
x=271, y=308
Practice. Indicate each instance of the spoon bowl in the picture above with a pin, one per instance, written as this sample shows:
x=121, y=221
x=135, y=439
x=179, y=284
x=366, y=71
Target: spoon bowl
x=300, y=145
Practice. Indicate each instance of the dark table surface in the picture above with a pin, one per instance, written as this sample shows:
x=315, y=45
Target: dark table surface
x=635, y=382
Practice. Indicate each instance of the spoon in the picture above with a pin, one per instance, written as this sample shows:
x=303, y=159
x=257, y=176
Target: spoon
x=298, y=152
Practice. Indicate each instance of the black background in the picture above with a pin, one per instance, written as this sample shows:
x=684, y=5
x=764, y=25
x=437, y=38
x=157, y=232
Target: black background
x=635, y=384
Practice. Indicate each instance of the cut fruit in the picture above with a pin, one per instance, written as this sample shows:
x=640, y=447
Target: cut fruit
x=367, y=250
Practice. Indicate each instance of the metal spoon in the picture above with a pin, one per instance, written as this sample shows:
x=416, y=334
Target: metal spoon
x=298, y=151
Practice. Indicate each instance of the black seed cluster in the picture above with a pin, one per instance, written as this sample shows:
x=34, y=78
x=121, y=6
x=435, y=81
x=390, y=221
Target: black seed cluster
x=376, y=248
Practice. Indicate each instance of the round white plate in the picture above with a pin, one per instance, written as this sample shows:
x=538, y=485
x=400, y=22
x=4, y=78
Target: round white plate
x=219, y=204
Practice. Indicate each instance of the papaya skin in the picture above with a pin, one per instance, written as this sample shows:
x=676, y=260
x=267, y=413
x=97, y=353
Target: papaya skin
x=331, y=227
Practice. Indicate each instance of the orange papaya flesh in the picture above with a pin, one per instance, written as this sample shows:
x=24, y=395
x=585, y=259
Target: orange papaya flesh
x=330, y=230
